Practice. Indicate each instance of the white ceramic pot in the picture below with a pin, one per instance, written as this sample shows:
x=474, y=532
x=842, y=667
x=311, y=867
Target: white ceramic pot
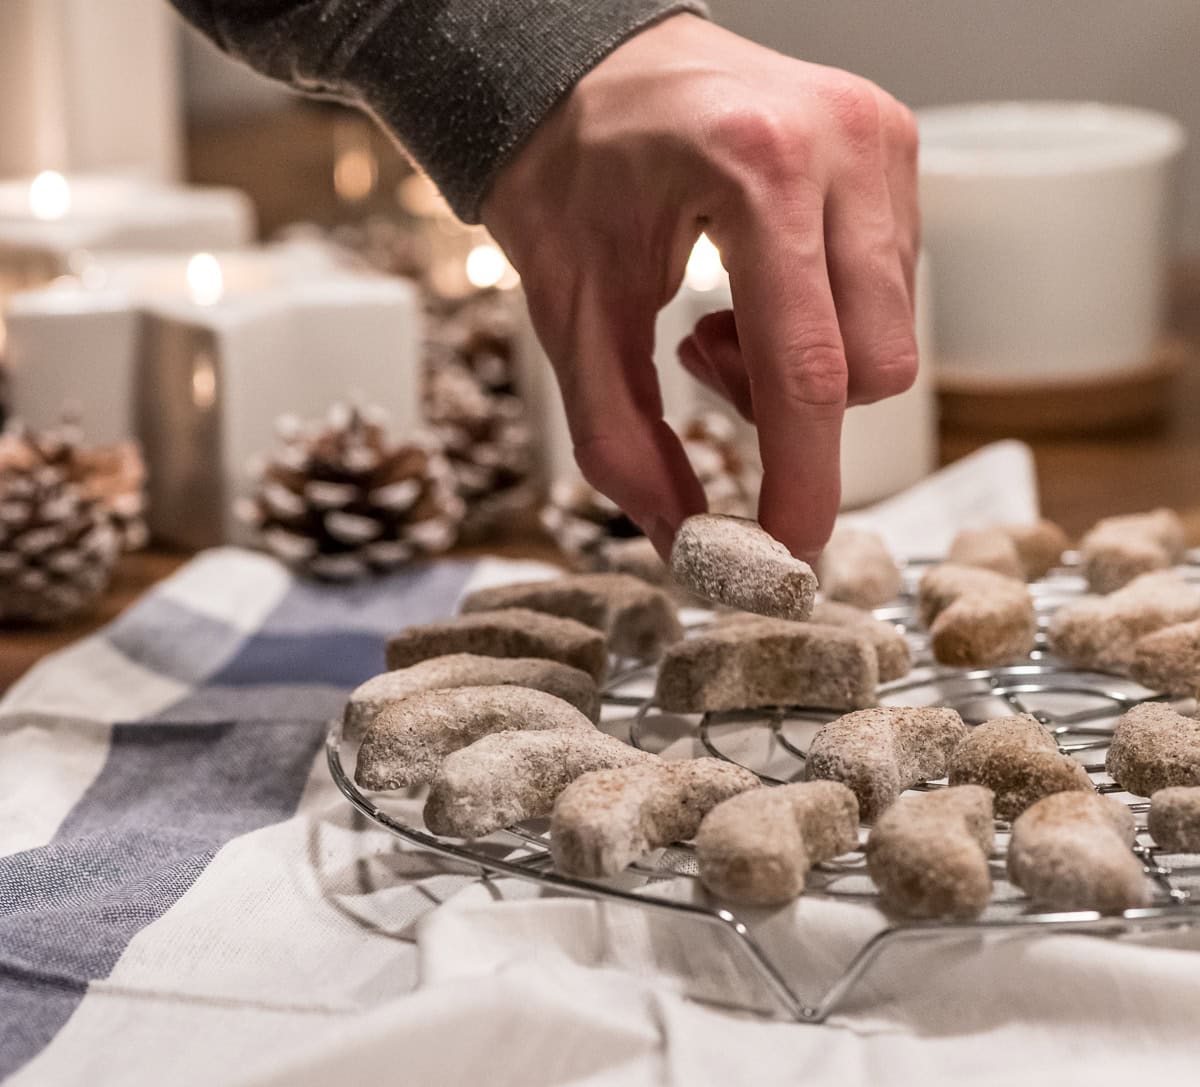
x=1046, y=224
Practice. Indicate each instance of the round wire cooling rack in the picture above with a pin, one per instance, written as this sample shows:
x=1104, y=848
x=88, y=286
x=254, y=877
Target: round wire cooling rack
x=763, y=961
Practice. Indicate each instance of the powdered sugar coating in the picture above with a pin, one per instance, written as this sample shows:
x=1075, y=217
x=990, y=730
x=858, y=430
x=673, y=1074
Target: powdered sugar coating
x=1118, y=549
x=857, y=568
x=735, y=562
x=880, y=752
x=1071, y=851
x=1017, y=758
x=408, y=740
x=1175, y=819
x=512, y=632
x=757, y=848
x=928, y=853
x=1040, y=546
x=1025, y=552
x=607, y=819
x=1103, y=632
x=1168, y=660
x=755, y=662
x=1154, y=747
x=891, y=647
x=507, y=777
x=637, y=619
x=468, y=670
x=976, y=617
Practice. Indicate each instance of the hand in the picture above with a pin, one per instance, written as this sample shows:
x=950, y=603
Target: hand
x=805, y=179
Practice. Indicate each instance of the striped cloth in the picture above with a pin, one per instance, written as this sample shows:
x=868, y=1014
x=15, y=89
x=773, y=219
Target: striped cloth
x=185, y=898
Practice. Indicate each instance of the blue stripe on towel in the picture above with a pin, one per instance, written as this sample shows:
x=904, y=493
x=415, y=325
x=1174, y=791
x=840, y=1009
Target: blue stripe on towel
x=174, y=790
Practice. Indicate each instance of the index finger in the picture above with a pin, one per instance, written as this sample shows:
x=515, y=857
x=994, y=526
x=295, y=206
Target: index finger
x=788, y=328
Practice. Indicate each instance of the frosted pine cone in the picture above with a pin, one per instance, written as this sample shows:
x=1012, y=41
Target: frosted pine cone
x=58, y=543
x=341, y=500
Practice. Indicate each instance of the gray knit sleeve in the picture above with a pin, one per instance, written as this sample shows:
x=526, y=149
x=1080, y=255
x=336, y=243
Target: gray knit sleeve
x=461, y=83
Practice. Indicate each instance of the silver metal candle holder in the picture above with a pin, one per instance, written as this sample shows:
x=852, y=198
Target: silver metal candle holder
x=756, y=960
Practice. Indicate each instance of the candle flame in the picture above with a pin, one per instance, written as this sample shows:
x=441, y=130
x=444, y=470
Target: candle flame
x=205, y=281
x=204, y=381
x=487, y=266
x=704, y=269
x=49, y=196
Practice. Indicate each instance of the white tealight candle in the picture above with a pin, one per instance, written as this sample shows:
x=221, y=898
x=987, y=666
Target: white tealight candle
x=199, y=355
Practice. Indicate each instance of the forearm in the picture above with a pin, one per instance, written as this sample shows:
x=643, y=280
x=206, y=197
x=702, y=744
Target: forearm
x=461, y=83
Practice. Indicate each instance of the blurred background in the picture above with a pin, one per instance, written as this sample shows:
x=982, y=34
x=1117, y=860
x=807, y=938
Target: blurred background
x=273, y=200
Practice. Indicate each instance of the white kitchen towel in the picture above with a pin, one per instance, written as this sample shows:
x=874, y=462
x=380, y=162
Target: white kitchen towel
x=186, y=898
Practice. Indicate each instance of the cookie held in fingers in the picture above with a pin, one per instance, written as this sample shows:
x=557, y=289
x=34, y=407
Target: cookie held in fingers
x=1175, y=819
x=1018, y=760
x=1154, y=747
x=976, y=617
x=928, y=853
x=753, y=662
x=736, y=562
x=878, y=753
x=406, y=742
x=1071, y=851
x=1118, y=549
x=1103, y=632
x=757, y=848
x=606, y=820
x=511, y=632
x=369, y=699
x=637, y=619
x=857, y=568
x=508, y=777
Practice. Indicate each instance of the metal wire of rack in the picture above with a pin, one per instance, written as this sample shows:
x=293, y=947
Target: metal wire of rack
x=1079, y=708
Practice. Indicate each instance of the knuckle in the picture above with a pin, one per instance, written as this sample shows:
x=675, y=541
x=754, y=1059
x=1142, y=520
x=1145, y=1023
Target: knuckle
x=890, y=376
x=759, y=143
x=854, y=108
x=818, y=377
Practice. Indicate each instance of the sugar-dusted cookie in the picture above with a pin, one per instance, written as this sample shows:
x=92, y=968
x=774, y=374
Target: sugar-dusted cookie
x=891, y=647
x=469, y=670
x=735, y=562
x=769, y=662
x=757, y=848
x=1071, y=851
x=1175, y=819
x=1118, y=549
x=1168, y=660
x=407, y=741
x=1154, y=747
x=606, y=820
x=1017, y=758
x=928, y=853
x=880, y=752
x=976, y=617
x=1103, y=632
x=857, y=568
x=1026, y=552
x=507, y=777
x=512, y=632
x=637, y=619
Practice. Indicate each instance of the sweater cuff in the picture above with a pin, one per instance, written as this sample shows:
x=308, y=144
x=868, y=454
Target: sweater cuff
x=464, y=83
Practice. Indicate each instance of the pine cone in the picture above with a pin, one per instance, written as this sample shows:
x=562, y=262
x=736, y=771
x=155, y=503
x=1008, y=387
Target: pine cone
x=341, y=500
x=592, y=532
x=114, y=476
x=481, y=330
x=486, y=440
x=58, y=543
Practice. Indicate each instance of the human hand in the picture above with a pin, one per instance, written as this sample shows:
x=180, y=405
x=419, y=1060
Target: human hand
x=803, y=176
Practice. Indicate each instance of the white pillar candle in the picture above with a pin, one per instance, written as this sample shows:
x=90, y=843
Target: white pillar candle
x=51, y=222
x=89, y=86
x=198, y=356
